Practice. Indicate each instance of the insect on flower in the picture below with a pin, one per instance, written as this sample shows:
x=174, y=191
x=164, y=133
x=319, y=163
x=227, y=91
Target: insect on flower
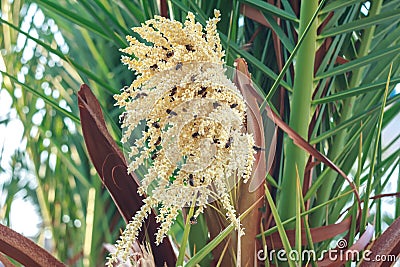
x=171, y=112
x=191, y=182
x=122, y=117
x=154, y=67
x=216, y=105
x=173, y=91
x=193, y=220
x=154, y=156
x=257, y=148
x=158, y=141
x=178, y=66
x=189, y=48
x=202, y=90
x=139, y=95
x=229, y=142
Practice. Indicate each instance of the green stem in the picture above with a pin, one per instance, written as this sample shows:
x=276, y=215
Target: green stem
x=279, y=225
x=185, y=237
x=339, y=141
x=378, y=190
x=232, y=31
x=353, y=225
x=300, y=110
x=368, y=189
x=397, y=214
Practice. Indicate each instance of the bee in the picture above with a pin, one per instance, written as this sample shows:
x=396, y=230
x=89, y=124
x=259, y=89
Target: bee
x=202, y=90
x=158, y=141
x=155, y=125
x=189, y=48
x=122, y=117
x=228, y=144
x=257, y=148
x=173, y=91
x=140, y=95
x=216, y=104
x=196, y=134
x=234, y=105
x=170, y=54
x=193, y=220
x=154, y=67
x=215, y=47
x=179, y=66
x=154, y=156
x=171, y=112
x=215, y=140
x=191, y=182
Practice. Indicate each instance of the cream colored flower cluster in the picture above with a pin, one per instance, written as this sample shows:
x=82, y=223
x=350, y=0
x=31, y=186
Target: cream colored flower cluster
x=194, y=142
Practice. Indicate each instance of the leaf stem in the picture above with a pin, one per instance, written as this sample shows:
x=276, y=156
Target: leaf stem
x=185, y=237
x=300, y=110
x=375, y=152
x=339, y=140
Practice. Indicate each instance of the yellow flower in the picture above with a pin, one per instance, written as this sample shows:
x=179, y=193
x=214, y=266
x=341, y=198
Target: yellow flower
x=193, y=118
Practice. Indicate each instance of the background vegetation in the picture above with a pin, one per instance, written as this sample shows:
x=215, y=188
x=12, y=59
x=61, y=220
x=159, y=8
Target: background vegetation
x=331, y=90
